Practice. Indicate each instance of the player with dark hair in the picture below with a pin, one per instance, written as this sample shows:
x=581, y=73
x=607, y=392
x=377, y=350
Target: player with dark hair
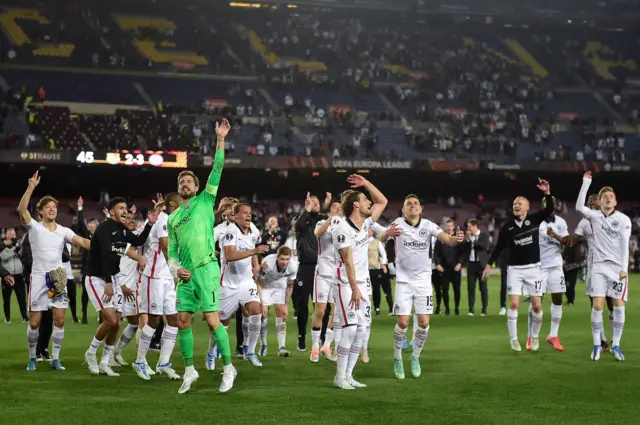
x=108, y=245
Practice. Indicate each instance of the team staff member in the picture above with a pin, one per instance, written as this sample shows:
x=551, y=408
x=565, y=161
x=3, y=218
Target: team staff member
x=476, y=250
x=274, y=238
x=307, y=257
x=86, y=231
x=449, y=261
x=13, y=266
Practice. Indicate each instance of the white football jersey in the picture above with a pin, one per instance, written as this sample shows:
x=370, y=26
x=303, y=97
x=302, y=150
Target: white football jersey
x=274, y=278
x=584, y=229
x=326, y=251
x=236, y=272
x=550, y=250
x=413, y=250
x=156, y=262
x=611, y=233
x=347, y=234
x=128, y=271
x=47, y=246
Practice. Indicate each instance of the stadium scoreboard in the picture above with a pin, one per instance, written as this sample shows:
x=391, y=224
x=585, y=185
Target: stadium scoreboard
x=133, y=158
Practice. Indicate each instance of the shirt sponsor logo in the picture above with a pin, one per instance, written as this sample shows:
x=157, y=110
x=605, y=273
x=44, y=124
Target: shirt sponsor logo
x=119, y=251
x=420, y=246
x=524, y=241
x=609, y=231
x=182, y=221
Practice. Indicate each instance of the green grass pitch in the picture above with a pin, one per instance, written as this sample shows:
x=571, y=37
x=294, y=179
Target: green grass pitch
x=470, y=376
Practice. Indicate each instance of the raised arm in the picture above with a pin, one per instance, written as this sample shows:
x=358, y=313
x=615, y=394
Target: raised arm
x=80, y=226
x=585, y=211
x=378, y=199
x=215, y=175
x=23, y=206
x=322, y=227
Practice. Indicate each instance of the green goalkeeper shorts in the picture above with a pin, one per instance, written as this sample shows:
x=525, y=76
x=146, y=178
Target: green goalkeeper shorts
x=201, y=292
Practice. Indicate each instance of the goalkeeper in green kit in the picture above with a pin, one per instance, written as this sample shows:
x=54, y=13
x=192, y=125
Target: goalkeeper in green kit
x=192, y=260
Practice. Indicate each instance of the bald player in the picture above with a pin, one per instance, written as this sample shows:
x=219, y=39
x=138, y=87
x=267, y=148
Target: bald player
x=521, y=235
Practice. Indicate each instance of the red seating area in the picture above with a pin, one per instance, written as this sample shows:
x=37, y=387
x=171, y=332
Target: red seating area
x=126, y=129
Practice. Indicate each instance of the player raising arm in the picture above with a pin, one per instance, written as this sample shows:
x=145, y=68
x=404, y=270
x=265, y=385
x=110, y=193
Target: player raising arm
x=48, y=279
x=610, y=262
x=521, y=236
x=192, y=260
x=351, y=241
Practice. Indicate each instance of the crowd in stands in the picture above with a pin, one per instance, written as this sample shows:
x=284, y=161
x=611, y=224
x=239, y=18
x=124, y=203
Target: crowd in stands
x=339, y=84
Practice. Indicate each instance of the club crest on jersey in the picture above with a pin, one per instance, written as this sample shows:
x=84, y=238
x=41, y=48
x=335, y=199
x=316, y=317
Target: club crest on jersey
x=351, y=315
x=615, y=224
x=341, y=238
x=527, y=222
x=178, y=303
x=423, y=233
x=154, y=306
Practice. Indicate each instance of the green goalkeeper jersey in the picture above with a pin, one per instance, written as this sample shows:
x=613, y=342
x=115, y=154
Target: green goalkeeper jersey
x=191, y=241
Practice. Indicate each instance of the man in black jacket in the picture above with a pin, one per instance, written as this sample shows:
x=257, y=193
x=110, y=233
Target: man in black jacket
x=449, y=264
x=10, y=261
x=108, y=245
x=308, y=258
x=86, y=231
x=476, y=255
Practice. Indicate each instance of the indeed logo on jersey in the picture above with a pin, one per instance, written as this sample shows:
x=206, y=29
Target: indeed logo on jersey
x=364, y=240
x=119, y=251
x=183, y=221
x=417, y=245
x=610, y=231
x=524, y=241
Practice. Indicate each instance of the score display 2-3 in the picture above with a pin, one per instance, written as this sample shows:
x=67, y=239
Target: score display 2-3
x=134, y=158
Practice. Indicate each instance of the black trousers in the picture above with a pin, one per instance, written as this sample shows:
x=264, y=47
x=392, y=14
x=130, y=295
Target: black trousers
x=437, y=286
x=239, y=333
x=381, y=280
x=571, y=277
x=46, y=329
x=84, y=299
x=71, y=293
x=474, y=275
x=454, y=278
x=503, y=287
x=302, y=291
x=21, y=294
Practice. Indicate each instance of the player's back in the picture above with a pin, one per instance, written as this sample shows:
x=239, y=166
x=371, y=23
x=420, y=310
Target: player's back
x=157, y=266
x=236, y=272
x=326, y=251
x=550, y=249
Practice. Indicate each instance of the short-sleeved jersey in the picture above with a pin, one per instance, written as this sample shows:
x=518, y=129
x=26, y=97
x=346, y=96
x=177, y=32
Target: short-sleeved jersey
x=413, y=250
x=190, y=227
x=347, y=234
x=218, y=236
x=156, y=263
x=47, y=246
x=326, y=251
x=584, y=229
x=550, y=252
x=128, y=271
x=272, y=277
x=236, y=272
